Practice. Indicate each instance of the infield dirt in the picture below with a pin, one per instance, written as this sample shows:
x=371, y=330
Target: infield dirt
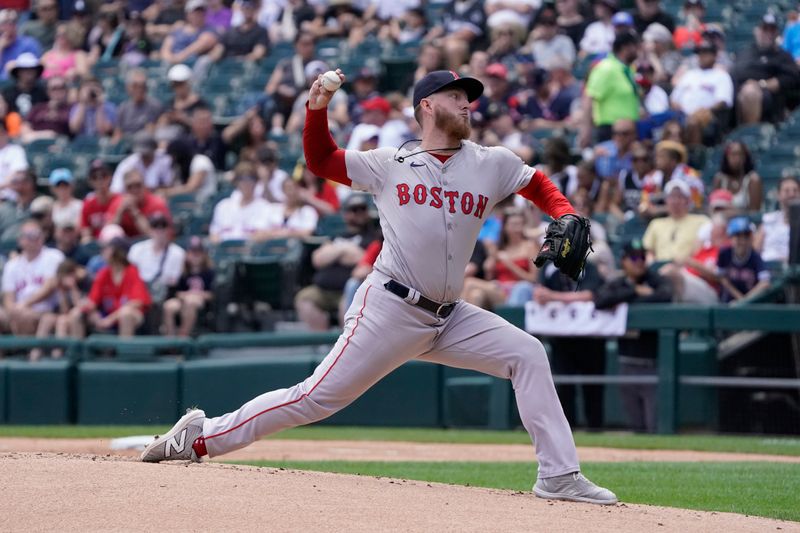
x=83, y=492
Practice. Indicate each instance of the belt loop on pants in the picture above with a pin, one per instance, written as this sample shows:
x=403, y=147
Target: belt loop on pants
x=442, y=310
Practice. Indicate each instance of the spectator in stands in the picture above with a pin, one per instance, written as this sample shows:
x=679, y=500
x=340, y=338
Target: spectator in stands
x=288, y=79
x=176, y=118
x=10, y=119
x=599, y=37
x=248, y=41
x=193, y=172
x=136, y=206
x=648, y=12
x=203, y=138
x=42, y=212
x=463, y=24
x=13, y=45
x=140, y=111
x=655, y=101
x=431, y=57
x=365, y=87
x=242, y=216
x=66, y=59
x=13, y=161
x=218, y=16
x=92, y=114
x=547, y=42
x=360, y=273
x=505, y=41
x=43, y=27
x=49, y=119
x=673, y=237
x=659, y=52
x=23, y=276
x=690, y=35
x=772, y=239
x=17, y=209
x=695, y=279
x=27, y=90
x=193, y=292
x=571, y=21
x=629, y=188
x=162, y=16
x=333, y=262
x=704, y=95
x=342, y=19
x=611, y=93
x=791, y=39
x=671, y=158
x=764, y=76
x=137, y=47
x=155, y=165
x=296, y=219
x=94, y=213
x=110, y=233
x=67, y=240
x=107, y=39
x=158, y=259
x=192, y=39
x=285, y=21
x=501, y=130
x=67, y=291
x=515, y=14
x=246, y=134
x=270, y=175
x=318, y=192
x=118, y=299
x=509, y=271
x=410, y=27
x=742, y=272
x=637, y=354
x=602, y=257
x=543, y=104
x=66, y=208
x=557, y=165
x=576, y=355
x=374, y=114
x=612, y=157
x=737, y=174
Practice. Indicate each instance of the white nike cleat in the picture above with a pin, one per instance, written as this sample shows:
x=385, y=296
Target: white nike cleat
x=176, y=445
x=573, y=487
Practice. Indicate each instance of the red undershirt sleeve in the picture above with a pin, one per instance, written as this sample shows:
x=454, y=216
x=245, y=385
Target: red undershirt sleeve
x=543, y=192
x=323, y=157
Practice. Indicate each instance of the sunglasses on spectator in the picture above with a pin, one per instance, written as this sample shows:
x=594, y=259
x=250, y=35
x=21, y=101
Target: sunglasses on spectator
x=640, y=158
x=159, y=225
x=636, y=257
x=357, y=209
x=623, y=132
x=135, y=186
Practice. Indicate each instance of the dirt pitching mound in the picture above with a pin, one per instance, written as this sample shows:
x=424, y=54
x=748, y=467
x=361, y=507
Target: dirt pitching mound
x=65, y=492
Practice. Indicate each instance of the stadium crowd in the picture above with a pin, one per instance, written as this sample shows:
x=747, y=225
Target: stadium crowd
x=622, y=106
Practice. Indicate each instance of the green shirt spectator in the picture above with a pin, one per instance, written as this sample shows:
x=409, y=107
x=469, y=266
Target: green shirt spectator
x=612, y=88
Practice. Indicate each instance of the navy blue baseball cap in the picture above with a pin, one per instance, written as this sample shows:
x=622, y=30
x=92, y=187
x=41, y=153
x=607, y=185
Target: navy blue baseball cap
x=438, y=80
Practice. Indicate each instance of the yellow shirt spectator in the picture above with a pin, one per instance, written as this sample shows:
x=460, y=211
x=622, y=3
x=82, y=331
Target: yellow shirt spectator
x=673, y=237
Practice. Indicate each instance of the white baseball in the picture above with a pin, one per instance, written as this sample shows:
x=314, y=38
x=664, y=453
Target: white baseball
x=331, y=81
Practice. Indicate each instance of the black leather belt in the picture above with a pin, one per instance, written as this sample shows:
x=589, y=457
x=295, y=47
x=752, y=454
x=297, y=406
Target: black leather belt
x=440, y=310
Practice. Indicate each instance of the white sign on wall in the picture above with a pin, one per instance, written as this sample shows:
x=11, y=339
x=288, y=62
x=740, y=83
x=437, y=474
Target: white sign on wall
x=577, y=319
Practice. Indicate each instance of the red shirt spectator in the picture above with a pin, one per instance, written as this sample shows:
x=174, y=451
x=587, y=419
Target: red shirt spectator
x=108, y=297
x=133, y=209
x=95, y=213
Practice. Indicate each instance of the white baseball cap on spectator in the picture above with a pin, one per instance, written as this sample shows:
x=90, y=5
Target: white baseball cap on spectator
x=315, y=68
x=680, y=185
x=657, y=33
x=191, y=5
x=109, y=233
x=622, y=18
x=179, y=74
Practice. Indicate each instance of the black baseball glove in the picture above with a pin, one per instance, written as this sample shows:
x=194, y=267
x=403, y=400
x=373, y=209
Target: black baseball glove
x=567, y=243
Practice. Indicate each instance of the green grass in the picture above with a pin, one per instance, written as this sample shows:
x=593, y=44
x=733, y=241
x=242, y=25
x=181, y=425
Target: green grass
x=761, y=489
x=715, y=443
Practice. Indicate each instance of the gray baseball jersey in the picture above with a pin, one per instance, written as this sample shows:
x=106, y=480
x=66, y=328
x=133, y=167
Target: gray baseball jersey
x=431, y=212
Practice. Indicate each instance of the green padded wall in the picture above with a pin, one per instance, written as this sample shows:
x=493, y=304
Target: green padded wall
x=128, y=393
x=409, y=396
x=2, y=392
x=466, y=401
x=219, y=386
x=38, y=393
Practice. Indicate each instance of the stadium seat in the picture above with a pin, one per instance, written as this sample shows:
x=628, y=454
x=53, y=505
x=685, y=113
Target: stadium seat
x=331, y=226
